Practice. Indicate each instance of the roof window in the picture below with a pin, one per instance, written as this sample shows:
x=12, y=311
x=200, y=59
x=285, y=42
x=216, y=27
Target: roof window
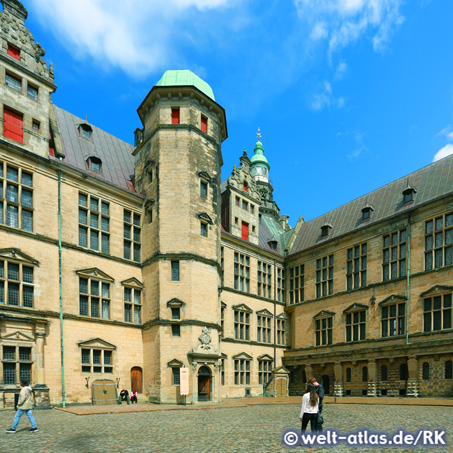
x=85, y=131
x=367, y=212
x=94, y=164
x=325, y=230
x=409, y=194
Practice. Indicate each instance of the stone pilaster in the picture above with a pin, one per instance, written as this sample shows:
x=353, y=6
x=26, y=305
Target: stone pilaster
x=412, y=381
x=338, y=385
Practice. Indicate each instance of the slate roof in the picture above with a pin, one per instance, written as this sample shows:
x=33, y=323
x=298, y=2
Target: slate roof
x=115, y=154
x=431, y=182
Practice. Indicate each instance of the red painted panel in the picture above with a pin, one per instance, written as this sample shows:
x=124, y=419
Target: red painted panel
x=13, y=125
x=245, y=231
x=175, y=116
x=13, y=52
x=245, y=187
x=204, y=124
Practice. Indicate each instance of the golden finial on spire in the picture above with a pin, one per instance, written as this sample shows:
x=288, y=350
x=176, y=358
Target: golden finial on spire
x=258, y=134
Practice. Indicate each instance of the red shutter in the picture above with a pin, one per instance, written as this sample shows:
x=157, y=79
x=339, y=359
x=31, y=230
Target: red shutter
x=175, y=116
x=13, y=52
x=245, y=187
x=245, y=231
x=13, y=125
x=204, y=124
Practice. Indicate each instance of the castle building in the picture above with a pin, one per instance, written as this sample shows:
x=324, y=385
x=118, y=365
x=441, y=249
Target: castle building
x=121, y=265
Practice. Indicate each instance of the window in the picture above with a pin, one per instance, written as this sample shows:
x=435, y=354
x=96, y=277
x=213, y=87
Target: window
x=97, y=361
x=238, y=200
x=280, y=285
x=448, y=369
x=264, y=329
x=132, y=235
x=175, y=115
x=393, y=319
x=439, y=241
x=32, y=92
x=241, y=325
x=204, y=229
x=13, y=125
x=36, y=126
x=16, y=197
x=241, y=372
x=323, y=330
x=222, y=319
x=409, y=194
x=437, y=313
x=13, y=82
x=175, y=330
x=176, y=373
x=132, y=305
x=94, y=298
x=264, y=371
x=425, y=371
x=366, y=213
x=296, y=284
x=252, y=209
x=17, y=364
x=403, y=372
x=204, y=124
x=85, y=131
x=384, y=373
x=241, y=272
x=348, y=375
x=325, y=230
x=203, y=189
x=94, y=222
x=281, y=340
x=94, y=164
x=264, y=279
x=13, y=51
x=222, y=262
x=222, y=371
x=175, y=271
x=356, y=266
x=394, y=255
x=245, y=231
x=365, y=374
x=324, y=276
x=244, y=186
x=245, y=205
x=16, y=284
x=355, y=325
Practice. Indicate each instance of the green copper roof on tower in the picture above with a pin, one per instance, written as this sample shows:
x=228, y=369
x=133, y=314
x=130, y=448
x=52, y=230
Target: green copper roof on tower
x=184, y=77
x=259, y=157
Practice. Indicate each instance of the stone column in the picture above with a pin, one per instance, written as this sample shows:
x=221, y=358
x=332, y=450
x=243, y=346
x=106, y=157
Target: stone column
x=338, y=386
x=372, y=378
x=412, y=377
x=308, y=374
x=39, y=362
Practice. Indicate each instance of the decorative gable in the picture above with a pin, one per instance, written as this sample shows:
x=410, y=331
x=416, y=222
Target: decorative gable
x=133, y=283
x=174, y=303
x=94, y=272
x=18, y=255
x=265, y=357
x=204, y=176
x=97, y=343
x=205, y=217
x=243, y=356
x=355, y=307
x=18, y=336
x=394, y=298
x=325, y=314
x=264, y=313
x=242, y=307
x=438, y=289
x=175, y=363
x=283, y=316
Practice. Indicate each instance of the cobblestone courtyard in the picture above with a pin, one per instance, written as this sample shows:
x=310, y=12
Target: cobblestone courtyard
x=239, y=429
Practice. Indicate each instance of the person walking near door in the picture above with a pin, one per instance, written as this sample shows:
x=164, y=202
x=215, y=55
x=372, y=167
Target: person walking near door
x=24, y=406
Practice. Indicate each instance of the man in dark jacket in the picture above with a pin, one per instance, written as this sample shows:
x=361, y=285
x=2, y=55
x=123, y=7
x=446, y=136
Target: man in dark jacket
x=320, y=392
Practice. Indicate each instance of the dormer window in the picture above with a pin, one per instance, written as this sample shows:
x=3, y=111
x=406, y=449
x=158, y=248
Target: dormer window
x=13, y=52
x=245, y=186
x=367, y=212
x=94, y=164
x=409, y=194
x=138, y=136
x=325, y=230
x=85, y=131
x=272, y=244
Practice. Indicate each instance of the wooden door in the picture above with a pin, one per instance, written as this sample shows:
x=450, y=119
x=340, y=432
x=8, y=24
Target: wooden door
x=136, y=379
x=104, y=392
x=281, y=386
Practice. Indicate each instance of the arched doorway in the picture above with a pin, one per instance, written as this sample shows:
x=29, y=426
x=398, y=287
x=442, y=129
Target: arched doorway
x=204, y=384
x=325, y=383
x=136, y=379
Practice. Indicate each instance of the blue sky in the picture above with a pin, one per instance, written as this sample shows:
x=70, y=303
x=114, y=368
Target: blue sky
x=349, y=94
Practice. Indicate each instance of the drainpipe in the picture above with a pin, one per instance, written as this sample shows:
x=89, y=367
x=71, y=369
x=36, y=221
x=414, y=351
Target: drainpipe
x=408, y=273
x=275, y=314
x=61, y=291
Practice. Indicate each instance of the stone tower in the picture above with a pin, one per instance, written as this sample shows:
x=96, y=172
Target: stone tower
x=178, y=161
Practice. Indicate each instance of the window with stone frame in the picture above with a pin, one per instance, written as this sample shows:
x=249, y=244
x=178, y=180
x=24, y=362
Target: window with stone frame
x=222, y=369
x=132, y=235
x=355, y=322
x=296, y=284
x=17, y=364
x=264, y=278
x=97, y=360
x=437, y=312
x=324, y=327
x=241, y=272
x=176, y=376
x=263, y=323
x=242, y=370
x=13, y=82
x=222, y=319
x=132, y=301
x=242, y=323
x=222, y=263
x=280, y=285
x=16, y=197
x=16, y=280
x=324, y=276
x=448, y=369
x=393, y=318
x=356, y=265
x=281, y=337
x=425, y=371
x=94, y=223
x=94, y=294
x=439, y=241
x=264, y=369
x=394, y=255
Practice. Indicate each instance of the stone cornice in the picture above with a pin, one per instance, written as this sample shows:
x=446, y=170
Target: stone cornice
x=181, y=256
x=254, y=296
x=192, y=322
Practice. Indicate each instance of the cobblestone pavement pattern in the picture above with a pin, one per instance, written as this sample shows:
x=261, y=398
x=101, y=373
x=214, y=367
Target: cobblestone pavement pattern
x=240, y=429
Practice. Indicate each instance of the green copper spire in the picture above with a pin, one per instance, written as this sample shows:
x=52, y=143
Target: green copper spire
x=259, y=158
x=184, y=78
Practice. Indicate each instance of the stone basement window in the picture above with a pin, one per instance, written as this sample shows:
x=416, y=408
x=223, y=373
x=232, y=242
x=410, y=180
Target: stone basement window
x=97, y=361
x=132, y=235
x=16, y=284
x=16, y=197
x=17, y=362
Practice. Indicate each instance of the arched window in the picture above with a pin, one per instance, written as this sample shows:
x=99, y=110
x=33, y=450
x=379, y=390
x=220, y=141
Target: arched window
x=365, y=374
x=426, y=371
x=403, y=372
x=448, y=369
x=348, y=374
x=384, y=371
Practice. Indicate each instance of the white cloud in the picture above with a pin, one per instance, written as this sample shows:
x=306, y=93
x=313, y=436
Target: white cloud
x=443, y=152
x=345, y=21
x=341, y=70
x=447, y=132
x=135, y=35
x=326, y=98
